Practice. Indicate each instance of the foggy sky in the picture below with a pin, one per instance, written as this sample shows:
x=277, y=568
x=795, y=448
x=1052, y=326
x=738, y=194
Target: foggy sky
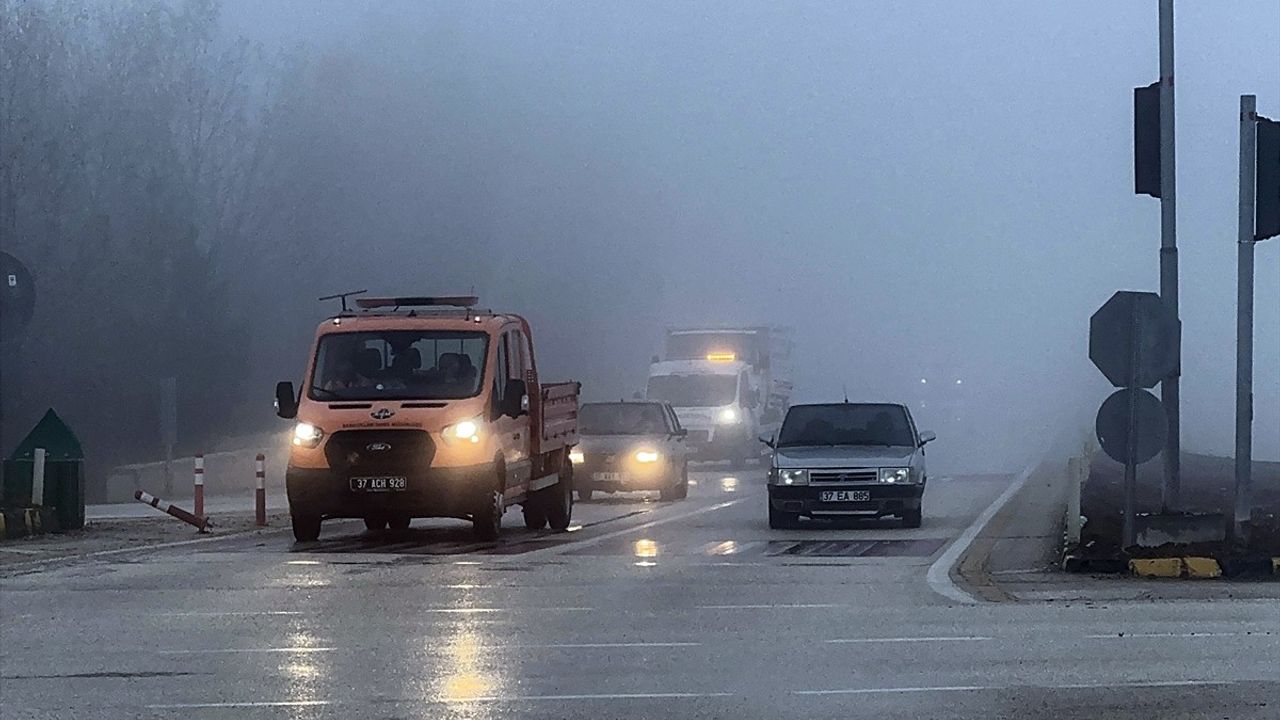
x=918, y=188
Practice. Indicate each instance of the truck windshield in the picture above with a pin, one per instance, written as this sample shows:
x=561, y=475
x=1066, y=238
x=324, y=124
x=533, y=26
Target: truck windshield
x=694, y=390
x=622, y=419
x=403, y=364
x=846, y=424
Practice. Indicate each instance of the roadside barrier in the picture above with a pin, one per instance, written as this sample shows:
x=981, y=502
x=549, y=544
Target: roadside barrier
x=200, y=522
x=260, y=494
x=198, y=494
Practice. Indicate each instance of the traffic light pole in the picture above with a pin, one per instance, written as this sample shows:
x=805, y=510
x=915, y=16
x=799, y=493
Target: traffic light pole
x=1244, y=321
x=1169, y=387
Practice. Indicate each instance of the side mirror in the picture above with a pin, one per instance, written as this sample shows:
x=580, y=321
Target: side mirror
x=681, y=433
x=286, y=401
x=515, y=399
x=927, y=437
x=766, y=438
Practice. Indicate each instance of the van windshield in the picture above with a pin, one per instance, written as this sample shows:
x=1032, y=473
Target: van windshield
x=846, y=424
x=694, y=390
x=402, y=364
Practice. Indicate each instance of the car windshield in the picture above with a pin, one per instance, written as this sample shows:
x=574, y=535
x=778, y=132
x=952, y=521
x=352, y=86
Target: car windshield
x=693, y=390
x=622, y=419
x=404, y=364
x=847, y=424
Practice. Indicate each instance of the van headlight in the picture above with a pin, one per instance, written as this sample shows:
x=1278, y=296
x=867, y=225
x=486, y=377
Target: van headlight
x=647, y=456
x=307, y=435
x=899, y=476
x=793, y=477
x=464, y=431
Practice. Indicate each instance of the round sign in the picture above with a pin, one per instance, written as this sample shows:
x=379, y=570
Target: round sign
x=1151, y=425
x=17, y=297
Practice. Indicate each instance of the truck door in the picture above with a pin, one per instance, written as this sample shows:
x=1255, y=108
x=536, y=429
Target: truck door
x=511, y=434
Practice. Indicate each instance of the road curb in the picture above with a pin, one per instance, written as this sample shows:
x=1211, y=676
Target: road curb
x=18, y=523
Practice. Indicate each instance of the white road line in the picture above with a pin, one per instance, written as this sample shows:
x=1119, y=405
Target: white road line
x=960, y=638
x=225, y=613
x=576, y=646
x=145, y=548
x=574, y=546
x=264, y=703
x=939, y=576
x=1127, y=636
x=773, y=606
x=230, y=651
x=592, y=696
x=990, y=688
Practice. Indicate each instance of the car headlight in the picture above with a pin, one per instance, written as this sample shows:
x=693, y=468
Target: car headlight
x=464, y=431
x=307, y=435
x=729, y=416
x=793, y=477
x=898, y=475
x=576, y=457
x=647, y=456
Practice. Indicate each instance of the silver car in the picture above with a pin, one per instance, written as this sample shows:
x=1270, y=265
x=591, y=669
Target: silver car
x=628, y=447
x=847, y=459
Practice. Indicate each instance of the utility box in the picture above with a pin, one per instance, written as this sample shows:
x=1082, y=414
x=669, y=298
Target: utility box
x=63, y=472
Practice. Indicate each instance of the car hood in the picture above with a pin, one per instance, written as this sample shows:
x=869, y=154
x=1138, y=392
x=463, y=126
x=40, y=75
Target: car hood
x=617, y=443
x=844, y=456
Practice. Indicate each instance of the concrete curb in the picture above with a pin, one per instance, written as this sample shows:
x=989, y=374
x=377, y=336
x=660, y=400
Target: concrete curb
x=18, y=523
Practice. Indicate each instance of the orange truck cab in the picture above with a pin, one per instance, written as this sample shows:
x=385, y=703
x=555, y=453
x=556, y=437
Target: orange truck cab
x=424, y=407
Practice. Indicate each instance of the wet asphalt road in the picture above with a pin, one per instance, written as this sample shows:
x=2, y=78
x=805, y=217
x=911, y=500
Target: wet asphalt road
x=690, y=609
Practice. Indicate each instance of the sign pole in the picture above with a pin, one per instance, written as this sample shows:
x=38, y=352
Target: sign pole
x=1244, y=321
x=1129, y=534
x=1169, y=387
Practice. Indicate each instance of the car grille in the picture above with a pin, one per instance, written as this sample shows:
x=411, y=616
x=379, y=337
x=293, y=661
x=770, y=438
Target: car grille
x=843, y=476
x=380, y=451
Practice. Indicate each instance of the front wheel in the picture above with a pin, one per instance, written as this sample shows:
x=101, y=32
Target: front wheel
x=486, y=523
x=559, y=499
x=534, y=517
x=306, y=527
x=912, y=518
x=780, y=520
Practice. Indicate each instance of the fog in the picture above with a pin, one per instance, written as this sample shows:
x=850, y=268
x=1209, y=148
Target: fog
x=928, y=191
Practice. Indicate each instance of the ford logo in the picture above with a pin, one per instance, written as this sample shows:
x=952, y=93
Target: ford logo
x=378, y=447
x=382, y=413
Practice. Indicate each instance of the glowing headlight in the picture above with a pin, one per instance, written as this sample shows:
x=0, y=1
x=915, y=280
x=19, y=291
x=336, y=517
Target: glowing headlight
x=793, y=477
x=307, y=435
x=647, y=456
x=728, y=416
x=576, y=457
x=895, y=475
x=467, y=430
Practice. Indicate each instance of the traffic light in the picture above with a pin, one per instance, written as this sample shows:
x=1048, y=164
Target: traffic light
x=1146, y=140
x=1266, y=221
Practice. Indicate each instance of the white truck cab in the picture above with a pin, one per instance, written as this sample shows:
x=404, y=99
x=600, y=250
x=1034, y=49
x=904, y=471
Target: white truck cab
x=716, y=403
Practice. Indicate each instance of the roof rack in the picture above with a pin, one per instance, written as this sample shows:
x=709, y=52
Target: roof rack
x=454, y=301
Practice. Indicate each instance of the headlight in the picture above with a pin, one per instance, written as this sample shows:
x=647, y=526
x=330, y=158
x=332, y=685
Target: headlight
x=307, y=435
x=728, y=416
x=466, y=431
x=647, y=456
x=793, y=477
x=576, y=457
x=895, y=475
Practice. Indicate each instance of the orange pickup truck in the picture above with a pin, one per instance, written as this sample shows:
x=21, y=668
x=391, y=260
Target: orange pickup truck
x=425, y=407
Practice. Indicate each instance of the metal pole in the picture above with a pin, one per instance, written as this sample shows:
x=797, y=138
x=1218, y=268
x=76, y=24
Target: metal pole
x=37, y=477
x=1129, y=530
x=1169, y=390
x=1244, y=320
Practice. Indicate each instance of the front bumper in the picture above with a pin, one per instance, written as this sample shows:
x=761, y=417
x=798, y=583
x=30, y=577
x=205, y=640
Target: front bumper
x=722, y=442
x=439, y=492
x=621, y=477
x=882, y=500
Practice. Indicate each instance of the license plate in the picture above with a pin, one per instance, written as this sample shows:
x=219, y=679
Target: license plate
x=609, y=477
x=379, y=484
x=844, y=495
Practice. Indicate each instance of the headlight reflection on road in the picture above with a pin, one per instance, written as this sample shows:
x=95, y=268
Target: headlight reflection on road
x=646, y=549
x=305, y=672
x=729, y=484
x=467, y=678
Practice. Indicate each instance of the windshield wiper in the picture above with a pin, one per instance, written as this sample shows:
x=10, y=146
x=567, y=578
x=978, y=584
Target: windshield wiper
x=332, y=395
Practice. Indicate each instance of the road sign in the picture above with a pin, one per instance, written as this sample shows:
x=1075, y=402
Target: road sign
x=1133, y=339
x=17, y=297
x=1150, y=425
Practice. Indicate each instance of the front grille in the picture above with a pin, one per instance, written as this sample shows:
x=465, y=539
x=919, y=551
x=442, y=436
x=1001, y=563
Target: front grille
x=380, y=451
x=843, y=476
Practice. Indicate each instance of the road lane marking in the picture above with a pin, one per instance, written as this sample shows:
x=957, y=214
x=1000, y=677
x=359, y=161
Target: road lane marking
x=959, y=638
x=939, y=575
x=228, y=651
x=590, y=696
x=780, y=606
x=993, y=688
x=575, y=646
x=882, y=691
x=225, y=613
x=1126, y=636
x=553, y=646
x=589, y=542
x=250, y=704
x=142, y=548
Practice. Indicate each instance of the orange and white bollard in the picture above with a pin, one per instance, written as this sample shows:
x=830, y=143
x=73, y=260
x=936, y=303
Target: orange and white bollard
x=198, y=501
x=201, y=523
x=260, y=494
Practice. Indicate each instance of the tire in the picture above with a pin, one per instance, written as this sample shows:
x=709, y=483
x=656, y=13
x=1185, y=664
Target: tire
x=682, y=490
x=534, y=516
x=306, y=527
x=374, y=523
x=486, y=523
x=558, y=502
x=779, y=520
x=912, y=518
x=399, y=523
x=584, y=494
